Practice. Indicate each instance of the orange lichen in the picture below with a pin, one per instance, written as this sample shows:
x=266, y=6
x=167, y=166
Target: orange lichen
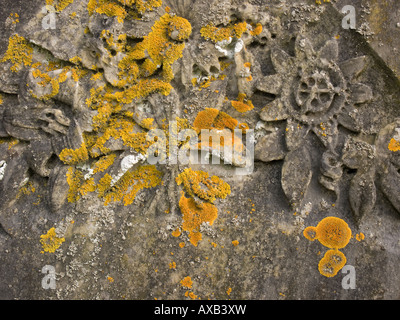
x=229, y=291
x=172, y=265
x=394, y=145
x=194, y=180
x=176, y=233
x=187, y=282
x=360, y=236
x=158, y=50
x=50, y=242
x=242, y=104
x=332, y=262
x=71, y=156
x=126, y=188
x=332, y=232
x=19, y=53
x=235, y=243
x=181, y=26
x=257, y=30
x=215, y=34
x=191, y=295
x=310, y=233
x=213, y=119
x=194, y=215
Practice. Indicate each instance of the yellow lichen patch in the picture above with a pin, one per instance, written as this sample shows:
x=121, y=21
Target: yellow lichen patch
x=158, y=50
x=172, y=265
x=332, y=262
x=26, y=190
x=181, y=27
x=131, y=183
x=215, y=34
x=142, y=5
x=19, y=52
x=187, y=282
x=394, y=145
x=71, y=156
x=1, y=99
x=242, y=104
x=229, y=291
x=76, y=74
x=193, y=182
x=147, y=123
x=110, y=279
x=235, y=243
x=108, y=8
x=319, y=1
x=50, y=242
x=14, y=17
x=194, y=215
x=104, y=163
x=78, y=185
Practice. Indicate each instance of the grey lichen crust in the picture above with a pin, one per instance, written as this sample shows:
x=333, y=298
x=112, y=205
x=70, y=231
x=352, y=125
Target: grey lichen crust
x=83, y=82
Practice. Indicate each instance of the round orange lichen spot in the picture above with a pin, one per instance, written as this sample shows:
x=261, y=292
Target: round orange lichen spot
x=332, y=262
x=333, y=233
x=310, y=233
x=187, y=282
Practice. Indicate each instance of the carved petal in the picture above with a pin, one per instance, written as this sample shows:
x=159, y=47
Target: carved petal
x=296, y=175
x=295, y=134
x=327, y=132
x=271, y=147
x=270, y=84
x=361, y=93
x=281, y=60
x=391, y=186
x=352, y=68
x=349, y=119
x=304, y=48
x=362, y=194
x=274, y=111
x=330, y=51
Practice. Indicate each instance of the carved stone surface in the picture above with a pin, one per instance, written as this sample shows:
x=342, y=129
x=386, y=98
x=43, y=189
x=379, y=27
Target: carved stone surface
x=83, y=82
